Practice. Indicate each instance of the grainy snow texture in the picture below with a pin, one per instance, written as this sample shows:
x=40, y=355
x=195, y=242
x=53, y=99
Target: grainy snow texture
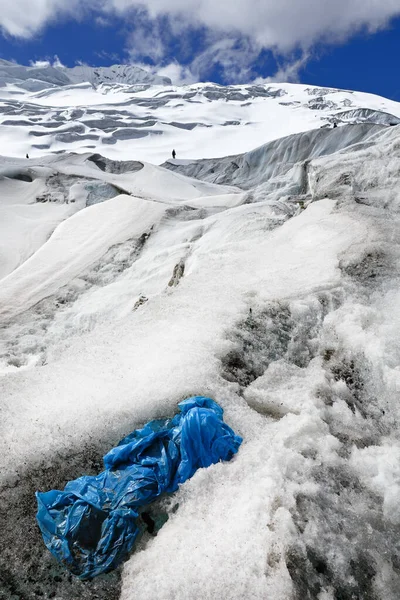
x=261, y=267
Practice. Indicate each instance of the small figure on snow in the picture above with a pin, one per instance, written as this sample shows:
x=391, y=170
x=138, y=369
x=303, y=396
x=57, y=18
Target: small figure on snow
x=334, y=124
x=27, y=155
x=173, y=154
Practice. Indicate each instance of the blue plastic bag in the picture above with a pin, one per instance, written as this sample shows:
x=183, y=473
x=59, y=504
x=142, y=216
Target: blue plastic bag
x=91, y=526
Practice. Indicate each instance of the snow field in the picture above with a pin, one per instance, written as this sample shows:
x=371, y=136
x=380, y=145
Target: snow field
x=284, y=309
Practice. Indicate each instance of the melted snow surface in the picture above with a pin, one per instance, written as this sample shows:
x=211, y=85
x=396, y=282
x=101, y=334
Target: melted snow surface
x=267, y=279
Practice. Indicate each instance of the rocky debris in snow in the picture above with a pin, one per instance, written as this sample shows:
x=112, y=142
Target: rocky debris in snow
x=178, y=273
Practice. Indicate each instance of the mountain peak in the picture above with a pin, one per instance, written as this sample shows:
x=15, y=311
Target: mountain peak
x=48, y=76
x=129, y=74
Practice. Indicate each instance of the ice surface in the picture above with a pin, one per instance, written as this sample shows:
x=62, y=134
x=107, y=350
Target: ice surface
x=146, y=123
x=266, y=279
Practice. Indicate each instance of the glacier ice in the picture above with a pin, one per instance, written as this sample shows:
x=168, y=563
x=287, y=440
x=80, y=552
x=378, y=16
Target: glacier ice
x=280, y=236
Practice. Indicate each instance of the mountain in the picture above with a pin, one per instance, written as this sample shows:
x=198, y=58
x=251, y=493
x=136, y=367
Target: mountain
x=127, y=74
x=125, y=121
x=260, y=267
x=37, y=78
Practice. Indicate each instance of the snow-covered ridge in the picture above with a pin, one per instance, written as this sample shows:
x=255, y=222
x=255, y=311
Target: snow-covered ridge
x=127, y=74
x=35, y=78
x=268, y=165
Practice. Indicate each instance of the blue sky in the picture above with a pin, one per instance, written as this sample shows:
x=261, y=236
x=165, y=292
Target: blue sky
x=354, y=50
x=367, y=63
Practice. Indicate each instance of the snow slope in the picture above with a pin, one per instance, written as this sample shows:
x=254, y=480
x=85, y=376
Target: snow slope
x=267, y=279
x=125, y=121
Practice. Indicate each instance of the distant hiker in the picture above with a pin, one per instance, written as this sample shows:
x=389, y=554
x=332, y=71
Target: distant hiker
x=173, y=154
x=334, y=124
x=27, y=156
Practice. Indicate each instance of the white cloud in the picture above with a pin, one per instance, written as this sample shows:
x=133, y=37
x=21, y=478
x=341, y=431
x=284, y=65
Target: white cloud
x=234, y=62
x=178, y=74
x=280, y=25
x=287, y=72
x=23, y=18
x=57, y=62
x=102, y=21
x=146, y=40
x=237, y=31
x=41, y=64
x=233, y=55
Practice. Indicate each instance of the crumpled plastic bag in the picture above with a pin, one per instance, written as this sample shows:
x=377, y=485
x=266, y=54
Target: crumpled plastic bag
x=90, y=527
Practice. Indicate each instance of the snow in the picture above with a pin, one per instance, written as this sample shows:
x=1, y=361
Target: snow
x=267, y=280
x=43, y=77
x=23, y=227
x=75, y=244
x=199, y=121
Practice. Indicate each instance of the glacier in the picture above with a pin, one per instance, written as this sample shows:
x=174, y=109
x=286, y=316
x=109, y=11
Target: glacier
x=261, y=268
